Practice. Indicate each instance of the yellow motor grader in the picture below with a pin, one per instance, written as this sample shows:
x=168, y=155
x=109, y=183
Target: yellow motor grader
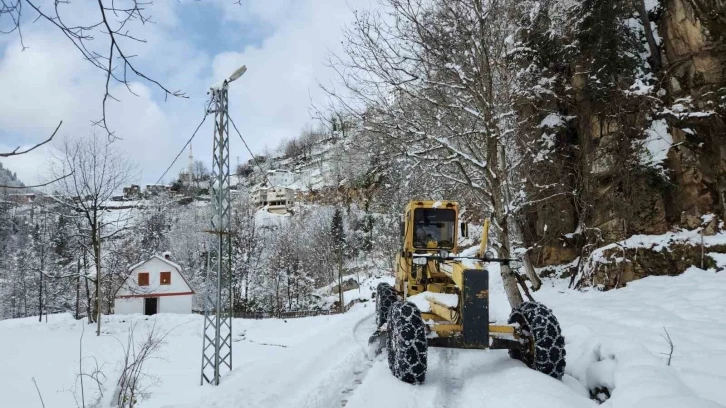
x=441, y=299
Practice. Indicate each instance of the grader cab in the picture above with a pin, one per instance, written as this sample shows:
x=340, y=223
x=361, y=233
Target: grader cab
x=441, y=299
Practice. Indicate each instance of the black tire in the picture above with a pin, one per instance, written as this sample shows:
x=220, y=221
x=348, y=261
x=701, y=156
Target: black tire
x=545, y=350
x=385, y=297
x=407, y=345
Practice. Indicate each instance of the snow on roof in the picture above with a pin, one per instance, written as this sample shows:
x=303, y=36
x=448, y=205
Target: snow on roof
x=161, y=258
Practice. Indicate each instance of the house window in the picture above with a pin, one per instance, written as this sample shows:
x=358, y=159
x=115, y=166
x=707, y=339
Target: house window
x=143, y=278
x=165, y=278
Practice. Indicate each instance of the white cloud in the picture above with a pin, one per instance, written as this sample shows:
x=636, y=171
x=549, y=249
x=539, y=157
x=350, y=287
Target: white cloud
x=50, y=82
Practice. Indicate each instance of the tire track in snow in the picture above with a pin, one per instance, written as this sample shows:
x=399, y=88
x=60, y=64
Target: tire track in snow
x=447, y=376
x=361, y=332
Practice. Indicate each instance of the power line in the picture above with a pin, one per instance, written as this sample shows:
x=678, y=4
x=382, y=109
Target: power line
x=251, y=154
x=183, y=148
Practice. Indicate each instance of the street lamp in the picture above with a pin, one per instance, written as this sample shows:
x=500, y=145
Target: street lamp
x=217, y=338
x=238, y=73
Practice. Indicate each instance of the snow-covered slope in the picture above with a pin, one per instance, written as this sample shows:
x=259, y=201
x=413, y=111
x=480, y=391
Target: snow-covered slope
x=614, y=340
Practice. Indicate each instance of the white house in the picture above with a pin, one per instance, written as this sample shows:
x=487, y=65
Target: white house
x=276, y=199
x=154, y=286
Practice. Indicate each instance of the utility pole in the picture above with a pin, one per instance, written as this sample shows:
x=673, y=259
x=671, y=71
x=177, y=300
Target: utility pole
x=191, y=163
x=217, y=335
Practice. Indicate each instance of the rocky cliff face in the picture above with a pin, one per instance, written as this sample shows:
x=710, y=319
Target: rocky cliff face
x=680, y=116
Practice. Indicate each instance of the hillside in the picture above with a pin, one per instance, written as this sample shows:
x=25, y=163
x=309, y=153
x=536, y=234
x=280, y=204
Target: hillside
x=8, y=178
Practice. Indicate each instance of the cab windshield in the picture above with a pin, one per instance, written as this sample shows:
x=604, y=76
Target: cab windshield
x=433, y=228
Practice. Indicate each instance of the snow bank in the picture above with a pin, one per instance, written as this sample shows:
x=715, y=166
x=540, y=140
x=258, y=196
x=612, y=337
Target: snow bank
x=614, y=340
x=617, y=339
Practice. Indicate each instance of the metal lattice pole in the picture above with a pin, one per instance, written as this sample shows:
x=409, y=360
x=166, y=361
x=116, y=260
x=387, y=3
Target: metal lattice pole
x=217, y=336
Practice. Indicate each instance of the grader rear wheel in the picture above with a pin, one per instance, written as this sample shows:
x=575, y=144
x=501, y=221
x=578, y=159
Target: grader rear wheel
x=545, y=349
x=407, y=345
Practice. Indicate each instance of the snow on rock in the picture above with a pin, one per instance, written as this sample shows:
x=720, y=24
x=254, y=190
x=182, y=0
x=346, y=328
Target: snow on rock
x=662, y=241
x=651, y=5
x=719, y=258
x=657, y=143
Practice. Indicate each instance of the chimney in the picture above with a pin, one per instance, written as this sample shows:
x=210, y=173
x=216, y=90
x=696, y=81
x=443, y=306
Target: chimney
x=167, y=256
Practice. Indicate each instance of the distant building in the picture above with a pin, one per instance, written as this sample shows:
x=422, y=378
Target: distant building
x=131, y=192
x=276, y=199
x=156, y=189
x=22, y=198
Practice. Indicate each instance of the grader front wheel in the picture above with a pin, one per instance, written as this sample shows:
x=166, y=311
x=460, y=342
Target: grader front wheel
x=407, y=345
x=544, y=348
x=385, y=297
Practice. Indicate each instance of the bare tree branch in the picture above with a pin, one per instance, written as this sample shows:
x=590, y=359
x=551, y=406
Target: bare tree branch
x=30, y=149
x=38, y=185
x=116, y=63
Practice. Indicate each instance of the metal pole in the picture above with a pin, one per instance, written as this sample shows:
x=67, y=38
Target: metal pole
x=217, y=351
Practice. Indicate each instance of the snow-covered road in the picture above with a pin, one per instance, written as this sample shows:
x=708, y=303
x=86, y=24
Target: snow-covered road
x=614, y=340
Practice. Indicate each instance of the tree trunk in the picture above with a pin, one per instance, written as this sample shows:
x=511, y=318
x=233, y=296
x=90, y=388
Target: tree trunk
x=88, y=303
x=508, y=279
x=526, y=261
x=40, y=293
x=340, y=280
x=652, y=46
x=78, y=289
x=97, y=249
x=530, y=272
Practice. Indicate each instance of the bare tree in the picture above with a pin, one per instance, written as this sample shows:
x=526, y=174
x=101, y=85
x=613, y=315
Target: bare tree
x=98, y=171
x=434, y=82
x=130, y=388
x=200, y=173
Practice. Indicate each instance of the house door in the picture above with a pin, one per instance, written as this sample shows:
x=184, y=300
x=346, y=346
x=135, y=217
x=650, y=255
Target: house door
x=151, y=306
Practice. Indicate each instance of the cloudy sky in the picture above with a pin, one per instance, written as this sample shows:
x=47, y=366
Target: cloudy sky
x=190, y=46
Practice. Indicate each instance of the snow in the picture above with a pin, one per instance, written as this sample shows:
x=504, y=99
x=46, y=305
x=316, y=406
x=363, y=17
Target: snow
x=614, y=339
x=720, y=259
x=651, y=5
x=618, y=341
x=175, y=265
x=421, y=300
x=552, y=120
x=265, y=218
x=662, y=241
x=657, y=143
